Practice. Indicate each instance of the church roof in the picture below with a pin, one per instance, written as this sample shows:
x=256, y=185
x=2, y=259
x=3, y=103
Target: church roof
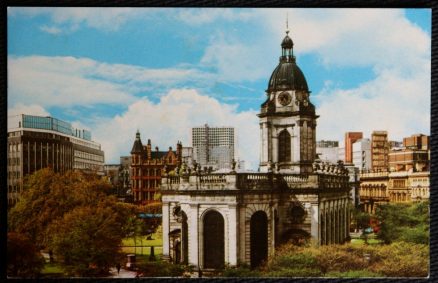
x=138, y=146
x=287, y=42
x=287, y=75
x=159, y=154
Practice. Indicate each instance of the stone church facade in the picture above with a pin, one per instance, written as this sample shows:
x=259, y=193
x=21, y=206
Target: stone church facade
x=212, y=220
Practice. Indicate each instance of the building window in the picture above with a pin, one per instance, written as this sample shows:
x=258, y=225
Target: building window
x=284, y=146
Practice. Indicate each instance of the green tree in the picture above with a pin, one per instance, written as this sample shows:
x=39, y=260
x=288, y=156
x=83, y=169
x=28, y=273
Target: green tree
x=408, y=222
x=360, y=218
x=87, y=240
x=24, y=260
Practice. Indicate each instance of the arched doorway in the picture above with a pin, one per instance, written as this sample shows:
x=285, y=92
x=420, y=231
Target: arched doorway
x=259, y=238
x=214, y=244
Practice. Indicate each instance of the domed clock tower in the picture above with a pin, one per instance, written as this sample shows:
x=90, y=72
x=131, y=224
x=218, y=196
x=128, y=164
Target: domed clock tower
x=287, y=118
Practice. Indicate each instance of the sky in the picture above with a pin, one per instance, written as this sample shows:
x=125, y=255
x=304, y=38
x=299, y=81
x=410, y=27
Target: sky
x=163, y=71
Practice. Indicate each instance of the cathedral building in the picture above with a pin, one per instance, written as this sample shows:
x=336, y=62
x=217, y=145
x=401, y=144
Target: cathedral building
x=211, y=220
x=147, y=166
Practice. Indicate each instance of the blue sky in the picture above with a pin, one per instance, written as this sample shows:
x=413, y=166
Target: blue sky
x=162, y=71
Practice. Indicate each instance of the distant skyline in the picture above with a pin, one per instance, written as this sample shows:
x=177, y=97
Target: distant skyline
x=165, y=70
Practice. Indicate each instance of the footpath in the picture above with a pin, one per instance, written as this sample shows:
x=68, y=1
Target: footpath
x=123, y=273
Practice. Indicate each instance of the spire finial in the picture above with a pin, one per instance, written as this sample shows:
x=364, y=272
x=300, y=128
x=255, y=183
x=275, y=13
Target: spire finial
x=287, y=23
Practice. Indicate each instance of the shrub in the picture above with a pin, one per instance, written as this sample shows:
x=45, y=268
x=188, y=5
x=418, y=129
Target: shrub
x=340, y=258
x=294, y=272
x=161, y=269
x=242, y=270
x=352, y=274
x=417, y=235
x=402, y=259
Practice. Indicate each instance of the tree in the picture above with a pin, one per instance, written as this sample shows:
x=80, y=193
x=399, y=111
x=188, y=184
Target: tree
x=408, y=222
x=66, y=212
x=24, y=260
x=87, y=240
x=361, y=219
x=48, y=196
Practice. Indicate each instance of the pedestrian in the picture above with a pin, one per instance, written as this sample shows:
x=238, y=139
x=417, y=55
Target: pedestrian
x=118, y=267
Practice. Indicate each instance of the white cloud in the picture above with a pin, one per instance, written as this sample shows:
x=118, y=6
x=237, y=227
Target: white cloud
x=70, y=18
x=235, y=61
x=202, y=16
x=59, y=81
x=70, y=81
x=51, y=29
x=376, y=38
x=170, y=120
x=397, y=105
x=32, y=109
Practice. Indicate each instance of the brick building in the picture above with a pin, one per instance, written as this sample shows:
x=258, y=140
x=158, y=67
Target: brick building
x=147, y=166
x=406, y=180
x=350, y=138
x=379, y=150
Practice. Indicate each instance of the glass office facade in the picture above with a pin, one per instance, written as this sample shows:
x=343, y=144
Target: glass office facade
x=47, y=123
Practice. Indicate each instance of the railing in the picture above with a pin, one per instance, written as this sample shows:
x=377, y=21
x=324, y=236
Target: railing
x=255, y=181
x=212, y=179
x=294, y=179
x=173, y=180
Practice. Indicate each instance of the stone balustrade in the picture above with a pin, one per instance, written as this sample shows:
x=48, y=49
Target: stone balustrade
x=254, y=181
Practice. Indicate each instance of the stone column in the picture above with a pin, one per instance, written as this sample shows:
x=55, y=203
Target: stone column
x=314, y=226
x=269, y=141
x=296, y=143
x=232, y=234
x=328, y=225
x=242, y=233
x=193, y=223
x=166, y=227
x=274, y=141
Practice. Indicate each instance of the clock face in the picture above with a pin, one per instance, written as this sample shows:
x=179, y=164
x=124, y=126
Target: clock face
x=284, y=98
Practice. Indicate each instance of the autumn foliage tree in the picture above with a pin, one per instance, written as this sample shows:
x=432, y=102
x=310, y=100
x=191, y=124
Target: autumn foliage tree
x=24, y=260
x=73, y=215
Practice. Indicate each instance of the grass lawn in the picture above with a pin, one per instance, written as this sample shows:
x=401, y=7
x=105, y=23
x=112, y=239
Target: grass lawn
x=156, y=242
x=52, y=269
x=362, y=241
x=142, y=241
x=142, y=251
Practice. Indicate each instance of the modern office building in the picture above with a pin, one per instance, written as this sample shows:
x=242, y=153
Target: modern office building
x=214, y=146
x=350, y=138
x=147, y=166
x=36, y=142
x=328, y=151
x=362, y=154
x=379, y=151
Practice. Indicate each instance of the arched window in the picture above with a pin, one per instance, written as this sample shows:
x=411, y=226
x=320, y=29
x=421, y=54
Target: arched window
x=284, y=146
